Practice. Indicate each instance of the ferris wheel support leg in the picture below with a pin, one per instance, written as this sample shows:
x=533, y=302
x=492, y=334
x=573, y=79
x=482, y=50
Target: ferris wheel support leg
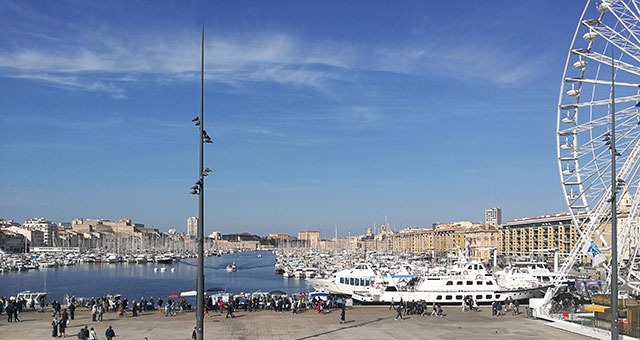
x=541, y=307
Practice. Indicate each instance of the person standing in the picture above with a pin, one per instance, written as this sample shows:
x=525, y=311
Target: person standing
x=100, y=312
x=94, y=312
x=230, y=308
x=110, y=333
x=143, y=304
x=54, y=327
x=63, y=323
x=72, y=310
x=343, y=312
x=9, y=310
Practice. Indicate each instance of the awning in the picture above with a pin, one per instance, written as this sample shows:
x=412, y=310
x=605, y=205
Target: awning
x=597, y=308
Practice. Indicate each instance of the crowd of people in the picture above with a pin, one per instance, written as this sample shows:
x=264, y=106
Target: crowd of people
x=420, y=308
x=62, y=318
x=268, y=302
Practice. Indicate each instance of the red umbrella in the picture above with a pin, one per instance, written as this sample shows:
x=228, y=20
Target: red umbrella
x=174, y=296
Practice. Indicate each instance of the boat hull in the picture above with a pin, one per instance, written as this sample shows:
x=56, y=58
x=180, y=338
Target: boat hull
x=451, y=297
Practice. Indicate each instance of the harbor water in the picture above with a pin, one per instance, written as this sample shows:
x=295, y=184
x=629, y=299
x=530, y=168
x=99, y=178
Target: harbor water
x=255, y=272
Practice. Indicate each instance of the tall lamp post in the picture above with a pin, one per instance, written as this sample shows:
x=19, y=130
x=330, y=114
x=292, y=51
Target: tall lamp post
x=198, y=189
x=615, y=186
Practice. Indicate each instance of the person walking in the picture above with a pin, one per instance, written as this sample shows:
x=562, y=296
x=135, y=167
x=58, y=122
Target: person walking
x=110, y=333
x=399, y=312
x=343, y=312
x=92, y=334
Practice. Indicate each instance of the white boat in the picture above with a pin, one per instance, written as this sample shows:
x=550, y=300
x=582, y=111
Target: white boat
x=310, y=272
x=163, y=259
x=359, y=278
x=279, y=268
x=141, y=259
x=472, y=279
x=112, y=258
x=537, y=269
x=231, y=267
x=298, y=273
x=28, y=295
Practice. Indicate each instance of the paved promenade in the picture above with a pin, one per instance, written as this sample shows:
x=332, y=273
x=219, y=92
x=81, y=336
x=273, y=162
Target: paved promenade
x=363, y=322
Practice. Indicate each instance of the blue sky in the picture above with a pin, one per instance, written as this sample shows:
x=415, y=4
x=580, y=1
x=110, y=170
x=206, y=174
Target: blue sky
x=324, y=114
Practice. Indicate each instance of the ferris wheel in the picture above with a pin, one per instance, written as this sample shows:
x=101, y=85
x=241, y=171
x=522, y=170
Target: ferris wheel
x=603, y=68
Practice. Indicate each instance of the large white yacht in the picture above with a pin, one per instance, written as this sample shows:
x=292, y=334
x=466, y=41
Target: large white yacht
x=467, y=278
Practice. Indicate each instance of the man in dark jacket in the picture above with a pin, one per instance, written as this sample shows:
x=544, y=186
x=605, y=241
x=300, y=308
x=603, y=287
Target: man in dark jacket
x=109, y=333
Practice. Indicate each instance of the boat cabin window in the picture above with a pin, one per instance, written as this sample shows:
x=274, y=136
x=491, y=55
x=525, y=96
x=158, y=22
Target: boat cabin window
x=490, y=283
x=469, y=283
x=459, y=283
x=342, y=280
x=439, y=297
x=478, y=297
x=448, y=297
x=458, y=297
x=449, y=283
x=351, y=281
x=479, y=283
x=488, y=297
x=497, y=296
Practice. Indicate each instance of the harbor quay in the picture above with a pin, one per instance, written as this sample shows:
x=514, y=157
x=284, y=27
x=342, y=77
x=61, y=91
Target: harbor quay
x=362, y=322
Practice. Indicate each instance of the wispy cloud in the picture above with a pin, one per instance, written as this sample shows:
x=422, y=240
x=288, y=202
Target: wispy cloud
x=102, y=60
x=75, y=82
x=468, y=61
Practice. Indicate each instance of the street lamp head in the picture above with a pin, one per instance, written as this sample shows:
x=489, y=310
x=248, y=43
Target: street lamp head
x=194, y=192
x=206, y=138
x=195, y=119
